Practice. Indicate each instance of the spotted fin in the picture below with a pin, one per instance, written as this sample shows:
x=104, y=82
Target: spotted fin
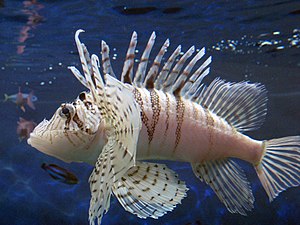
x=121, y=116
x=229, y=182
x=101, y=181
x=149, y=190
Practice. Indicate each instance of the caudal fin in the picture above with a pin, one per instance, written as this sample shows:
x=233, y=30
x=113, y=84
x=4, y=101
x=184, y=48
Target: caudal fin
x=6, y=97
x=279, y=167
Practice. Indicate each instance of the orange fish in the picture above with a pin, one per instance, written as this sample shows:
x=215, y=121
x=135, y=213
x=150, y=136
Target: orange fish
x=21, y=99
x=25, y=127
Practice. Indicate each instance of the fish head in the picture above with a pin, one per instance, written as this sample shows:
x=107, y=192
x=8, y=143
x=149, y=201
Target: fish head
x=75, y=133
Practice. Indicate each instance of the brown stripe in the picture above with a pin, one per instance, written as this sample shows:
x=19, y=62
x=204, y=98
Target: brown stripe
x=78, y=121
x=127, y=78
x=180, y=108
x=156, y=108
x=167, y=114
x=150, y=81
x=176, y=92
x=138, y=98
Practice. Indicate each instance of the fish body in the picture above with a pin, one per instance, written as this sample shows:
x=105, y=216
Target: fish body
x=165, y=112
x=21, y=99
x=60, y=174
x=161, y=138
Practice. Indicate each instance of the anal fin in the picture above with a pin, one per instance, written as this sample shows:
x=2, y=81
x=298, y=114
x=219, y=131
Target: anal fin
x=149, y=190
x=229, y=183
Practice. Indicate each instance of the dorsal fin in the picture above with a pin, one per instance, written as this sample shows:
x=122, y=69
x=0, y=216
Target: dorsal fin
x=166, y=69
x=167, y=86
x=191, y=87
x=153, y=71
x=141, y=71
x=127, y=72
x=186, y=71
x=242, y=104
x=107, y=69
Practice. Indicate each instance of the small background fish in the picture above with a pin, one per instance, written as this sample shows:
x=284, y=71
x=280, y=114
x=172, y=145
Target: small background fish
x=60, y=174
x=24, y=128
x=49, y=49
x=21, y=99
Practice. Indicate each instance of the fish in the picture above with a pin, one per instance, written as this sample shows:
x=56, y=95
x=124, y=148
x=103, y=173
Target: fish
x=24, y=128
x=165, y=112
x=20, y=99
x=60, y=174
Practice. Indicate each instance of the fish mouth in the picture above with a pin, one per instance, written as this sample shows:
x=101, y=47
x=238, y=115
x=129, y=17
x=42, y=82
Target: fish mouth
x=51, y=142
x=66, y=145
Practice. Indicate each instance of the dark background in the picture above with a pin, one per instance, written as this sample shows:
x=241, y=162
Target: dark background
x=249, y=40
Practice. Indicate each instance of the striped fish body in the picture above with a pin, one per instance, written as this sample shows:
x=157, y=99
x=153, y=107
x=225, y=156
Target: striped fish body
x=181, y=130
x=165, y=113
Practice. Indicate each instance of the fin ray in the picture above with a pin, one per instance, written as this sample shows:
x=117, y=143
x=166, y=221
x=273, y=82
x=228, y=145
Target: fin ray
x=229, y=182
x=149, y=190
x=279, y=167
x=107, y=69
x=141, y=70
x=126, y=76
x=242, y=104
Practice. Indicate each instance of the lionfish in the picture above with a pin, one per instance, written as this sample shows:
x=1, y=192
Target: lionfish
x=165, y=113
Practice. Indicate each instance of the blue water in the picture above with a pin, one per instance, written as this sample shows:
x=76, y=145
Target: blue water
x=249, y=40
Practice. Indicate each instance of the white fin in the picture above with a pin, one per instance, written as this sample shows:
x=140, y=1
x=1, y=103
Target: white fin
x=149, y=190
x=194, y=83
x=178, y=85
x=101, y=181
x=158, y=84
x=279, y=167
x=122, y=119
x=168, y=84
x=107, y=69
x=243, y=105
x=121, y=116
x=141, y=71
x=78, y=75
x=127, y=72
x=229, y=182
x=153, y=71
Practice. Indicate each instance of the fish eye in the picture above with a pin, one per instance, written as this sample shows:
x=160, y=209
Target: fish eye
x=66, y=110
x=82, y=96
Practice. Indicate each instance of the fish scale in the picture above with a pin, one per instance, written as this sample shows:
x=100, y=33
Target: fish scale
x=166, y=113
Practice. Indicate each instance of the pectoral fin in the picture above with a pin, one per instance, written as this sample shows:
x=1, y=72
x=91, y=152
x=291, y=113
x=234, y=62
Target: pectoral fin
x=149, y=190
x=121, y=116
x=101, y=181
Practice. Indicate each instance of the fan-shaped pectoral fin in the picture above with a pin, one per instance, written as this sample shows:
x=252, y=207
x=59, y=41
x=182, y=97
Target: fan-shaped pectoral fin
x=123, y=124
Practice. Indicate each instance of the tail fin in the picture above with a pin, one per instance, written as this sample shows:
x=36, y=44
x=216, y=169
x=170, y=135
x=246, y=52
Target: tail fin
x=279, y=167
x=29, y=101
x=6, y=97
